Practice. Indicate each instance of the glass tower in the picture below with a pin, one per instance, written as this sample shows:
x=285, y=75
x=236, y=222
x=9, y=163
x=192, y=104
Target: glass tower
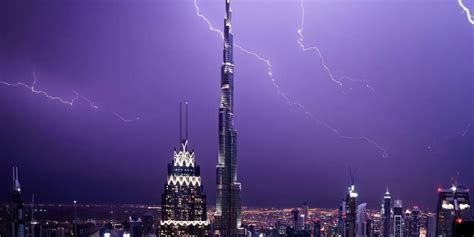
x=227, y=215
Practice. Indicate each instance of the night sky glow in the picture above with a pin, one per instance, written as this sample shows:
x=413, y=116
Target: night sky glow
x=90, y=93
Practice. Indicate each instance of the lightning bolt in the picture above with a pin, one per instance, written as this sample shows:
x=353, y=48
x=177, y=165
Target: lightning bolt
x=77, y=97
x=317, y=51
x=280, y=92
x=470, y=17
x=438, y=142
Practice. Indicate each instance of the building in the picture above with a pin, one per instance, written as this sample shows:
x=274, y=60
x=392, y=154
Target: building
x=351, y=204
x=398, y=227
x=463, y=228
x=431, y=225
x=415, y=222
x=453, y=204
x=362, y=220
x=184, y=210
x=135, y=226
x=339, y=229
x=228, y=210
x=408, y=219
x=386, y=214
x=317, y=229
x=297, y=219
x=148, y=224
x=15, y=210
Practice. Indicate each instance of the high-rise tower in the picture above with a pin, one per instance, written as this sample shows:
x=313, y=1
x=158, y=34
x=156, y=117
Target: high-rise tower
x=227, y=216
x=386, y=214
x=184, y=211
x=453, y=205
x=16, y=209
x=351, y=214
x=398, y=228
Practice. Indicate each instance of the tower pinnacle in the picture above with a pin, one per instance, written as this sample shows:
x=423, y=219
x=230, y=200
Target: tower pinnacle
x=227, y=215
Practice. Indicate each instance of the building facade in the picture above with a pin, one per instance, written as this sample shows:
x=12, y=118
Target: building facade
x=415, y=222
x=386, y=214
x=228, y=210
x=351, y=212
x=184, y=209
x=15, y=210
x=362, y=220
x=398, y=227
x=453, y=204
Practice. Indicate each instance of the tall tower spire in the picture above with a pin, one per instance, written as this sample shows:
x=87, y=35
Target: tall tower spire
x=16, y=180
x=227, y=215
x=181, y=139
x=15, y=209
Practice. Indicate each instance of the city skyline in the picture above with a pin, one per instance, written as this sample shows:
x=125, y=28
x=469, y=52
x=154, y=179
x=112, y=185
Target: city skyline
x=136, y=60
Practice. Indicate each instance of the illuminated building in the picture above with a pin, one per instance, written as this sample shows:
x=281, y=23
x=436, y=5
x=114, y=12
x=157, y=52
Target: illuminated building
x=386, y=214
x=15, y=210
x=362, y=220
x=415, y=222
x=351, y=204
x=398, y=219
x=408, y=219
x=228, y=209
x=297, y=219
x=453, y=204
x=184, y=211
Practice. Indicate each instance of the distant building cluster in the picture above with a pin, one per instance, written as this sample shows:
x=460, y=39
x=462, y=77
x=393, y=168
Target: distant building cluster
x=183, y=212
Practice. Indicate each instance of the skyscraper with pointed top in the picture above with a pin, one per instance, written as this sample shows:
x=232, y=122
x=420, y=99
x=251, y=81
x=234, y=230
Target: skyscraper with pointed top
x=16, y=209
x=184, y=211
x=227, y=215
x=386, y=213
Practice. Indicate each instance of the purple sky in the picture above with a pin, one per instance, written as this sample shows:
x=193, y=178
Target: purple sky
x=141, y=58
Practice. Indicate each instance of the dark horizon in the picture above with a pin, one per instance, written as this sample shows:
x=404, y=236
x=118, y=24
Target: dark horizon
x=407, y=90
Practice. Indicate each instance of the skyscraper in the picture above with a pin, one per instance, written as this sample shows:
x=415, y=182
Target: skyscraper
x=408, y=220
x=351, y=205
x=227, y=215
x=398, y=219
x=431, y=225
x=453, y=204
x=362, y=220
x=386, y=213
x=184, y=211
x=16, y=209
x=296, y=219
x=416, y=222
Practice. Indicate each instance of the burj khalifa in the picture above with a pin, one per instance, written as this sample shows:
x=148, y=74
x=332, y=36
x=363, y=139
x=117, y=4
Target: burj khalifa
x=227, y=215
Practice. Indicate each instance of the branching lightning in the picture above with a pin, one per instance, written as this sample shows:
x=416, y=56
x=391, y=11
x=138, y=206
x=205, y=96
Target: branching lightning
x=280, y=92
x=317, y=51
x=76, y=99
x=43, y=93
x=470, y=17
